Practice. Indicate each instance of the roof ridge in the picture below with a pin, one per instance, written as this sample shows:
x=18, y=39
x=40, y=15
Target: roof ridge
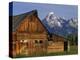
x=34, y=11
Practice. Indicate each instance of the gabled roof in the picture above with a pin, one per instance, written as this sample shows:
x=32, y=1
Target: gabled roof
x=16, y=20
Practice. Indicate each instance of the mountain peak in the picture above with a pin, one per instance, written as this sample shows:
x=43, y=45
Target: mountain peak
x=49, y=16
x=53, y=20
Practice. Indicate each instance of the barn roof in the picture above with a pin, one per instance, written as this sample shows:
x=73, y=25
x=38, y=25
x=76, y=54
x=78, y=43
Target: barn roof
x=17, y=19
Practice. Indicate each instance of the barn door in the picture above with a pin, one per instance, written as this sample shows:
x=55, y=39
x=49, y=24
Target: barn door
x=65, y=46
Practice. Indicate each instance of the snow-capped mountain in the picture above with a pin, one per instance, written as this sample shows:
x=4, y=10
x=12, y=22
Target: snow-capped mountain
x=53, y=20
x=60, y=25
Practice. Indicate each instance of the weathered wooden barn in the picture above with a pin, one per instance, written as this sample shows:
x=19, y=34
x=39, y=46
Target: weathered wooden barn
x=29, y=36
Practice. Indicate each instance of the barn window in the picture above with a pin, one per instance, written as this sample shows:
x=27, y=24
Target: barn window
x=24, y=43
x=36, y=41
x=21, y=41
x=40, y=41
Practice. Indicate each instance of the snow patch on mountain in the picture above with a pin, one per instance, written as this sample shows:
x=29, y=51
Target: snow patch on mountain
x=53, y=20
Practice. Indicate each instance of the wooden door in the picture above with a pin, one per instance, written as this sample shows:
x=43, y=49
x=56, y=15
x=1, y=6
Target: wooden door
x=65, y=46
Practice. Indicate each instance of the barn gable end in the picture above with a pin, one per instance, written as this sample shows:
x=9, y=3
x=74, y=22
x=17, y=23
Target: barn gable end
x=28, y=22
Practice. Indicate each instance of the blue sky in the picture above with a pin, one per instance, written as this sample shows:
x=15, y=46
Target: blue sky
x=67, y=11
